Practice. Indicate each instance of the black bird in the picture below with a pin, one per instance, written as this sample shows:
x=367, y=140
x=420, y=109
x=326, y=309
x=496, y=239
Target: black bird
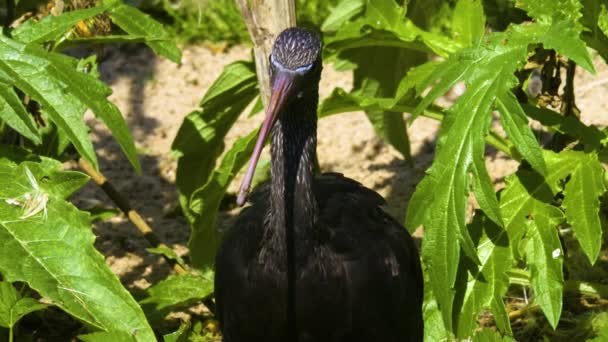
x=314, y=258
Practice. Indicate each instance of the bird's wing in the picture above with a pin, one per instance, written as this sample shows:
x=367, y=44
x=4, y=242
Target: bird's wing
x=380, y=258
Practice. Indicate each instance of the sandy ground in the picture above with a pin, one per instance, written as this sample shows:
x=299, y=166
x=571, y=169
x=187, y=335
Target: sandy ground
x=155, y=95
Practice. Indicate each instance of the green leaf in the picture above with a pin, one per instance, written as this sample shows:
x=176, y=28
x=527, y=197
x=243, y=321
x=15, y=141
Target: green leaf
x=372, y=78
x=528, y=194
x=200, y=139
x=560, y=19
x=180, y=289
x=13, y=307
x=181, y=335
x=488, y=282
x=569, y=125
x=51, y=27
x=53, y=242
x=345, y=10
x=169, y=254
x=14, y=114
x=206, y=201
x=593, y=20
x=64, y=93
x=544, y=256
x=136, y=23
x=108, y=336
x=582, y=203
x=469, y=23
x=385, y=24
x=110, y=39
x=32, y=71
x=515, y=123
x=440, y=199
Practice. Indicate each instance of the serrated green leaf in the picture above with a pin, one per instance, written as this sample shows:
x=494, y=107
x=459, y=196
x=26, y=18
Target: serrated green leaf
x=544, y=256
x=469, y=23
x=206, y=201
x=200, y=139
x=385, y=24
x=110, y=39
x=515, y=123
x=14, y=114
x=488, y=282
x=345, y=10
x=13, y=307
x=180, y=289
x=52, y=27
x=528, y=193
x=594, y=18
x=54, y=246
x=443, y=212
x=484, y=191
x=35, y=74
x=569, y=125
x=582, y=203
x=53, y=81
x=108, y=336
x=136, y=23
x=169, y=254
x=562, y=27
x=434, y=329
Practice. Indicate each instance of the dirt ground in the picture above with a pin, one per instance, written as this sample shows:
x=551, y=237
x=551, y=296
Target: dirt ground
x=155, y=95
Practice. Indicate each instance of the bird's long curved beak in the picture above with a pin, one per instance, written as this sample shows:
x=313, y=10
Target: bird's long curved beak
x=281, y=91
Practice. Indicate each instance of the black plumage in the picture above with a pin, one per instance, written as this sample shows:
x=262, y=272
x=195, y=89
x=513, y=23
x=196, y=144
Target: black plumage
x=356, y=270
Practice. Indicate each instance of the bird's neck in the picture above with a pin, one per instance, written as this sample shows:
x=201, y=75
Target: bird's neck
x=293, y=150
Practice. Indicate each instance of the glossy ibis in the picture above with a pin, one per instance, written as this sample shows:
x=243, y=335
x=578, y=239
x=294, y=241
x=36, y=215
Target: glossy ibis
x=314, y=258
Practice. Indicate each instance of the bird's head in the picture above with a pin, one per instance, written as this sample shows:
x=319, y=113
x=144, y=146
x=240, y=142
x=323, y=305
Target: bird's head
x=295, y=67
x=295, y=70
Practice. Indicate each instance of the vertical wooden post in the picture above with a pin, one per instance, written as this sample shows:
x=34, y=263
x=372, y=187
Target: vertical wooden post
x=265, y=19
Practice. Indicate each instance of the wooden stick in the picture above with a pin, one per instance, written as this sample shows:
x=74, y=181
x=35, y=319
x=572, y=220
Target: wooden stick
x=265, y=19
x=126, y=208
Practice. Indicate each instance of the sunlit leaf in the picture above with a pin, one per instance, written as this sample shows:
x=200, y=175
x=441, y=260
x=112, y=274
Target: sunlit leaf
x=469, y=23
x=54, y=246
x=180, y=289
x=52, y=27
x=64, y=93
x=136, y=23
x=487, y=283
x=200, y=139
x=582, y=201
x=545, y=257
x=13, y=307
x=206, y=201
x=14, y=114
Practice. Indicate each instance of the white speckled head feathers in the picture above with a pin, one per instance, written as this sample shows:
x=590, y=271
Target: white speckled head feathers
x=296, y=48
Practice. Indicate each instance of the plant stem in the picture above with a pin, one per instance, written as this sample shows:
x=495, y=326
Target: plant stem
x=10, y=334
x=522, y=277
x=126, y=208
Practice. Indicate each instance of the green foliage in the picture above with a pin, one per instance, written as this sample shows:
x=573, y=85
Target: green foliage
x=180, y=289
x=13, y=307
x=54, y=243
x=43, y=96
